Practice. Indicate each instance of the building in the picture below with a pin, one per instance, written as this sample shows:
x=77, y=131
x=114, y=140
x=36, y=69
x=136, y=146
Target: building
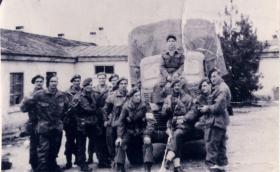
x=24, y=55
x=269, y=70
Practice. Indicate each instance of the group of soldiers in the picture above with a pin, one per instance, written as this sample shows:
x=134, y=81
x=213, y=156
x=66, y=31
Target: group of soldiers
x=118, y=122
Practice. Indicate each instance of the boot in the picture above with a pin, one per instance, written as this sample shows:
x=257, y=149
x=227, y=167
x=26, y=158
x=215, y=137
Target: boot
x=68, y=162
x=90, y=159
x=85, y=168
x=147, y=167
x=179, y=169
x=167, y=164
x=120, y=167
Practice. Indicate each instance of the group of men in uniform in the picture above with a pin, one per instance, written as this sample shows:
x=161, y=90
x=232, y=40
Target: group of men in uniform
x=118, y=122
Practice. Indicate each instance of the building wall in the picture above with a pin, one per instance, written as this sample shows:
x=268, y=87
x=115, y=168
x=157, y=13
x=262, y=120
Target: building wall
x=269, y=68
x=30, y=69
x=64, y=72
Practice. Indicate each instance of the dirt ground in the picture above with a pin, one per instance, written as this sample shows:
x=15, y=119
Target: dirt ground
x=252, y=145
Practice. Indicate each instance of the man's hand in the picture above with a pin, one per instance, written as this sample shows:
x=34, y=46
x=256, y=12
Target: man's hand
x=203, y=109
x=168, y=131
x=106, y=123
x=169, y=78
x=147, y=140
x=118, y=141
x=167, y=85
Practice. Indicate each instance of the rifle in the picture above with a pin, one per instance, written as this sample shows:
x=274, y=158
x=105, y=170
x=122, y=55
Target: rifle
x=162, y=168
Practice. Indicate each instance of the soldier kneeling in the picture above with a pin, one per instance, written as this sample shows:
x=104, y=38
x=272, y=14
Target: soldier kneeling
x=134, y=124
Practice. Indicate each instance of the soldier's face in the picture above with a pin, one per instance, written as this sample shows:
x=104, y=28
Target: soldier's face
x=101, y=79
x=76, y=82
x=39, y=82
x=88, y=88
x=136, y=97
x=123, y=85
x=53, y=82
x=171, y=44
x=114, y=81
x=205, y=87
x=215, y=78
x=177, y=87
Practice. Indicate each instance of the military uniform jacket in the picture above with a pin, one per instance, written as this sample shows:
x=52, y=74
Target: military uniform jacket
x=218, y=109
x=50, y=108
x=180, y=107
x=32, y=113
x=102, y=95
x=86, y=109
x=171, y=64
x=133, y=119
x=113, y=107
x=69, y=117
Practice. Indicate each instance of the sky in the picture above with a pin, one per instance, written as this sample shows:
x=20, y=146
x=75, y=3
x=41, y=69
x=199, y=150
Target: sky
x=118, y=17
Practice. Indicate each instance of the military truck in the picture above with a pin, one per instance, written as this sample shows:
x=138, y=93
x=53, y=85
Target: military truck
x=202, y=53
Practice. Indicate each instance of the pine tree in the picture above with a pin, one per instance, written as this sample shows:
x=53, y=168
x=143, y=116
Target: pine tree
x=242, y=51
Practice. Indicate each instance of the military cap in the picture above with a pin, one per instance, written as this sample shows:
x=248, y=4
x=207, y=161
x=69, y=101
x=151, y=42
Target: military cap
x=122, y=79
x=175, y=82
x=101, y=73
x=113, y=76
x=132, y=91
x=75, y=77
x=171, y=36
x=36, y=77
x=86, y=82
x=212, y=71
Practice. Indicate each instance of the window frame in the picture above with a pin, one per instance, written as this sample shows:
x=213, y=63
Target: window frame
x=15, y=84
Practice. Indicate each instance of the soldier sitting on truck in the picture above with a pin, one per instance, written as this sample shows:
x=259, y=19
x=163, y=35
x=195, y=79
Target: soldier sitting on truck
x=180, y=109
x=172, y=60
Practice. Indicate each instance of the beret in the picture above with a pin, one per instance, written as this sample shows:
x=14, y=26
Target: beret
x=75, y=77
x=132, y=91
x=122, y=79
x=113, y=76
x=36, y=77
x=86, y=82
x=171, y=36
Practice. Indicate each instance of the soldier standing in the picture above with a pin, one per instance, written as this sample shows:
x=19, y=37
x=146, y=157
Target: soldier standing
x=100, y=144
x=113, y=79
x=135, y=125
x=172, y=61
x=179, y=107
x=50, y=105
x=111, y=113
x=70, y=123
x=204, y=98
x=216, y=123
x=87, y=120
x=38, y=82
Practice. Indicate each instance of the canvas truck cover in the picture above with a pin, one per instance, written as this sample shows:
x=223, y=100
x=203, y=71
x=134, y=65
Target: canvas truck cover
x=150, y=40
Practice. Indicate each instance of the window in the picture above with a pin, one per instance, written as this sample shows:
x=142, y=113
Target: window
x=48, y=76
x=106, y=69
x=16, y=88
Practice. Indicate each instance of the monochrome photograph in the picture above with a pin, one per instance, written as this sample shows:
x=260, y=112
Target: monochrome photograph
x=139, y=85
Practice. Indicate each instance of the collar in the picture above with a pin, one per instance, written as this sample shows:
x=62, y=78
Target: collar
x=132, y=105
x=74, y=91
x=99, y=89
